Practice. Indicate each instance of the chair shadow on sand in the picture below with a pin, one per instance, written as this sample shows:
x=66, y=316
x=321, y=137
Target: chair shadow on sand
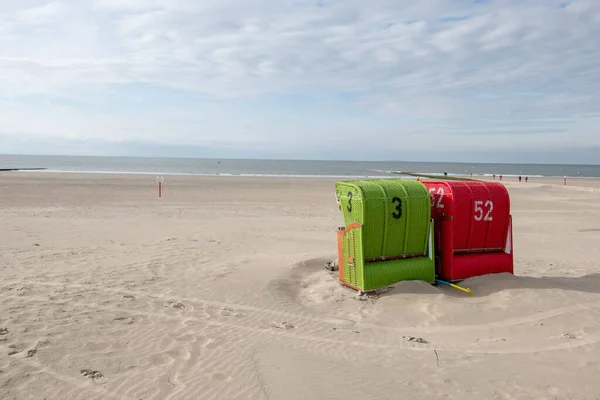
x=486, y=285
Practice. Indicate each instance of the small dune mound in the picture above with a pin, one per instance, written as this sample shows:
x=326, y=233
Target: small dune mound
x=321, y=287
x=310, y=284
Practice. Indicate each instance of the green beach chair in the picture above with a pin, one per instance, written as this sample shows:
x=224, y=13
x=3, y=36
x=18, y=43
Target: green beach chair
x=387, y=235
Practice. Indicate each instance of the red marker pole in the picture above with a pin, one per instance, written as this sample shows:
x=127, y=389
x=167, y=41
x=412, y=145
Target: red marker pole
x=160, y=180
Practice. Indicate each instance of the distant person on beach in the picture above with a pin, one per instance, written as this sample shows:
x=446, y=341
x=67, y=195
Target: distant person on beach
x=519, y=178
x=526, y=179
x=494, y=176
x=500, y=176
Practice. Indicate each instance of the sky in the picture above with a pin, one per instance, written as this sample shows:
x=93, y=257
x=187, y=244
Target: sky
x=430, y=80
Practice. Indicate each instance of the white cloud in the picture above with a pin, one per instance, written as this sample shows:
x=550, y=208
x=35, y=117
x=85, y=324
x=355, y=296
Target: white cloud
x=39, y=15
x=431, y=62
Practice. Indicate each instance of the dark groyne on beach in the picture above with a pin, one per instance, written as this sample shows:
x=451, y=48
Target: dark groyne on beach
x=21, y=169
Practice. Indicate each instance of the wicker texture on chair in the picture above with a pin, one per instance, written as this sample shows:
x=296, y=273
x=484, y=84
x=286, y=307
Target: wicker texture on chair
x=388, y=233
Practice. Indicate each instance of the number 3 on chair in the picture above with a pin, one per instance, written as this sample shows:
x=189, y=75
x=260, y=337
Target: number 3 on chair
x=349, y=201
x=398, y=212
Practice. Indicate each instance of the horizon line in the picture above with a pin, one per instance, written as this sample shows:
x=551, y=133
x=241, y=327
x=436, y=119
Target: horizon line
x=294, y=159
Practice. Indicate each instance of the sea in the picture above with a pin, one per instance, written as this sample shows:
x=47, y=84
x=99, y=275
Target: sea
x=285, y=168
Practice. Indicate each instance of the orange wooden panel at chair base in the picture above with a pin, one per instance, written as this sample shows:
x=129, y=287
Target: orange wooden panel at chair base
x=341, y=262
x=473, y=229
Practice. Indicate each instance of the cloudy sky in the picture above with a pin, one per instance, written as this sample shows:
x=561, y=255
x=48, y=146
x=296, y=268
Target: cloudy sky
x=487, y=80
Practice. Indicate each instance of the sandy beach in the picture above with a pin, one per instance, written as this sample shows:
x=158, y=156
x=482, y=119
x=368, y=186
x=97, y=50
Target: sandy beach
x=218, y=291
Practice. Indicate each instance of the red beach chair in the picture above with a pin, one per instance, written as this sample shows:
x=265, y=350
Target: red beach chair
x=473, y=228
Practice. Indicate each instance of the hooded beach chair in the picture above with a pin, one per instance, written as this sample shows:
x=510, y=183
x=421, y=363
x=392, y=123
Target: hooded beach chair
x=473, y=228
x=387, y=235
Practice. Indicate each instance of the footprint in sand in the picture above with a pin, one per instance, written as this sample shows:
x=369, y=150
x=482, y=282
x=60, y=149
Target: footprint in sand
x=127, y=320
x=41, y=344
x=491, y=339
x=228, y=312
x=17, y=348
x=569, y=336
x=161, y=360
x=3, y=331
x=345, y=330
x=92, y=374
x=282, y=325
x=221, y=377
x=96, y=346
x=173, y=304
x=414, y=339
